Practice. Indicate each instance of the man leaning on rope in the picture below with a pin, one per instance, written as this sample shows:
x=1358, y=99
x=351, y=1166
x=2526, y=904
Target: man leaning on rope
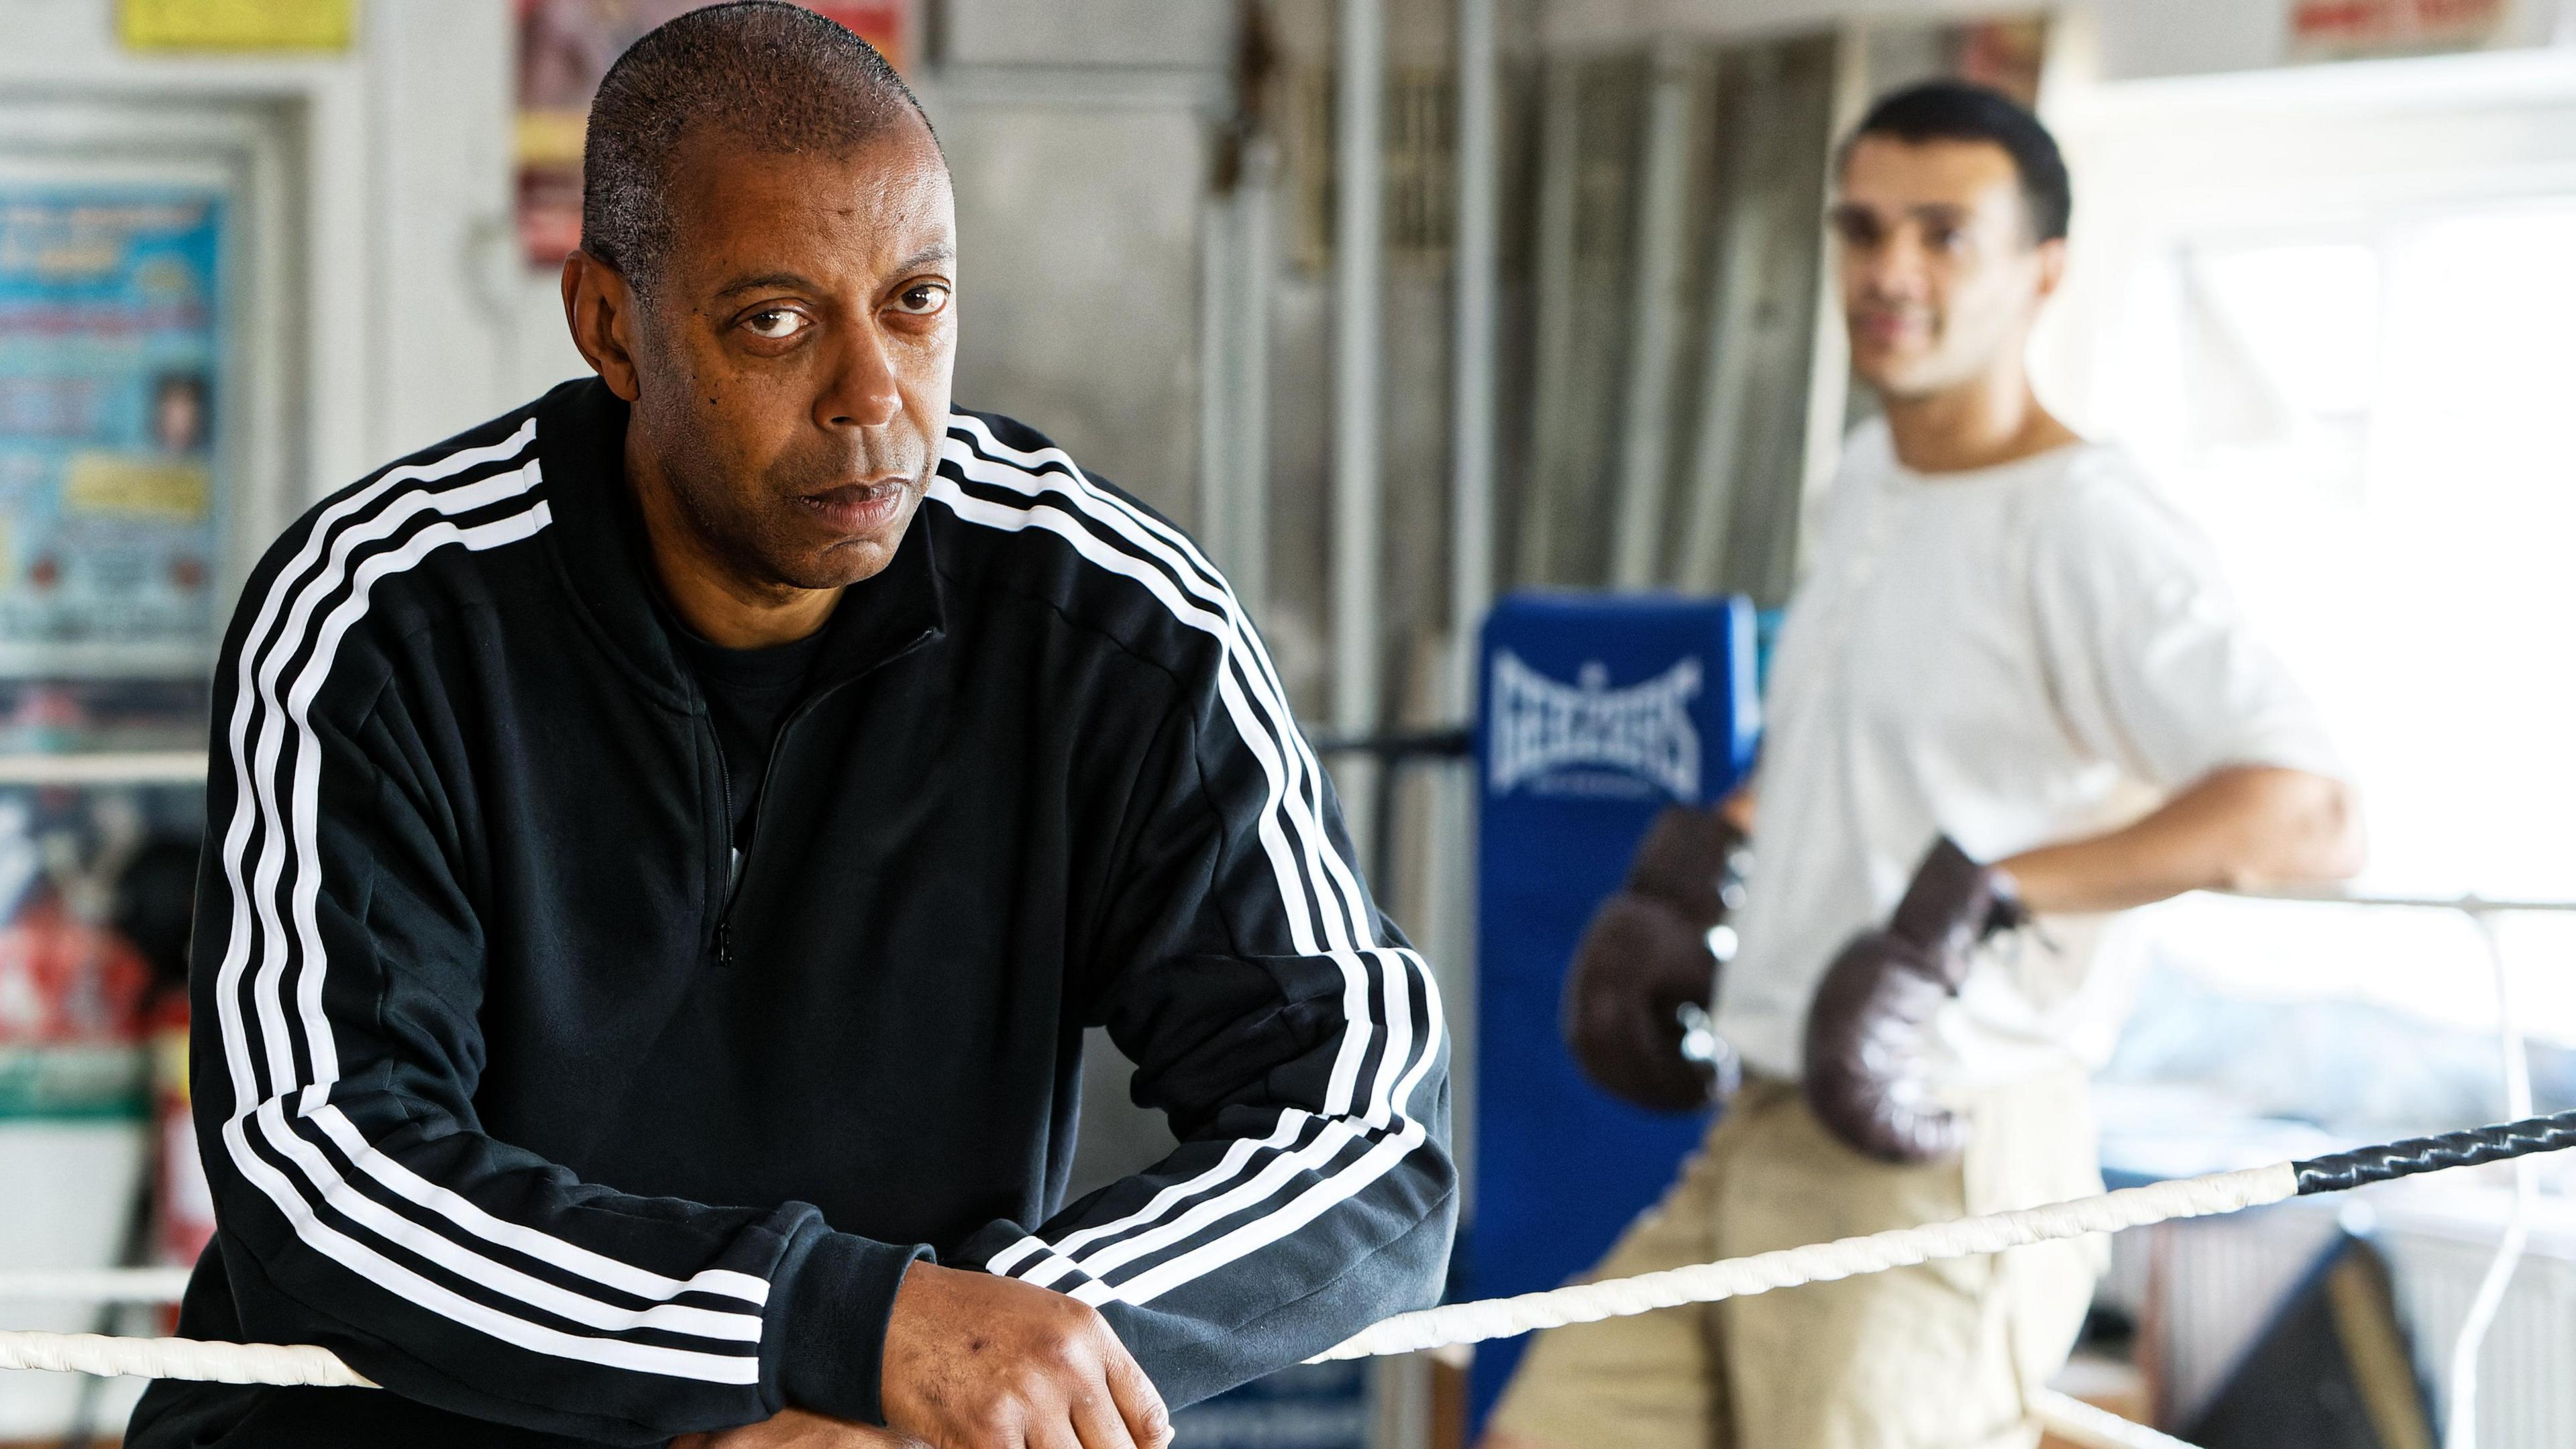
x=667, y=843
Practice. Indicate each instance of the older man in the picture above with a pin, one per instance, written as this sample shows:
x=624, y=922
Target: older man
x=667, y=843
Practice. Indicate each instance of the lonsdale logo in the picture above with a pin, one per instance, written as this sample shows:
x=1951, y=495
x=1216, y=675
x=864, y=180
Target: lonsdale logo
x=1548, y=733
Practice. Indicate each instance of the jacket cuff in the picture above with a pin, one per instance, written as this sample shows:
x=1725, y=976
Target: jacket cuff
x=982, y=1244
x=838, y=1293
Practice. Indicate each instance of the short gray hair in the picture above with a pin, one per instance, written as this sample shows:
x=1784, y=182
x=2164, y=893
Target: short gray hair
x=775, y=77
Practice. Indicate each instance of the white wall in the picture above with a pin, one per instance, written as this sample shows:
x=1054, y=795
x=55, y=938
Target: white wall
x=2158, y=160
x=2138, y=38
x=1078, y=137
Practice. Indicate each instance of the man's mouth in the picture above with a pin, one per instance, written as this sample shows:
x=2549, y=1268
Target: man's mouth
x=856, y=507
x=1883, y=326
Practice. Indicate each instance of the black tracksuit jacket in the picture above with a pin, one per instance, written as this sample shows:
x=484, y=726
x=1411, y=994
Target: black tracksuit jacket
x=515, y=1102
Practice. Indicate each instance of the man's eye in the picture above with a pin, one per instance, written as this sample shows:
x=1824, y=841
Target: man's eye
x=1856, y=231
x=776, y=324
x=922, y=299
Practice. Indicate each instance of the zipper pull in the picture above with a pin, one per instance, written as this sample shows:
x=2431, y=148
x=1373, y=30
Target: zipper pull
x=724, y=944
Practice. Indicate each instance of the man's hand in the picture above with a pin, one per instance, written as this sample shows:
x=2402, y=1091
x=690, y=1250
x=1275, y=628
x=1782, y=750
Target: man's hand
x=796, y=1429
x=975, y=1361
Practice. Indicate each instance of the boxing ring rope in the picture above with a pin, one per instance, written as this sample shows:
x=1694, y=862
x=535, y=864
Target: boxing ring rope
x=179, y=1358
x=1459, y=1323
x=2079, y=1423
x=104, y=767
x=2460, y=1412
x=2189, y=1197
x=2218, y=1192
x=95, y=1285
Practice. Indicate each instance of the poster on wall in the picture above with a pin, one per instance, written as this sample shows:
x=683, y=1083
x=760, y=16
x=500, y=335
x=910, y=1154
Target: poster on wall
x=109, y=370
x=2352, y=29
x=2004, y=54
x=565, y=46
x=228, y=25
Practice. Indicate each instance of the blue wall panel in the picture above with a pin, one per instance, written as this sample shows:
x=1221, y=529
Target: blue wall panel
x=1597, y=711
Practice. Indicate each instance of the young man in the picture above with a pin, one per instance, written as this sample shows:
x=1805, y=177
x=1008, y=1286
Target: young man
x=666, y=845
x=2012, y=676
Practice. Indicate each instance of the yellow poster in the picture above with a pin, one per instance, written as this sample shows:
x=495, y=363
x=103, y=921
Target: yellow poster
x=174, y=490
x=237, y=24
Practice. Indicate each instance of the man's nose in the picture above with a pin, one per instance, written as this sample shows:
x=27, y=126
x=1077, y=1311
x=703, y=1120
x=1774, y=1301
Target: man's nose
x=1896, y=269
x=864, y=392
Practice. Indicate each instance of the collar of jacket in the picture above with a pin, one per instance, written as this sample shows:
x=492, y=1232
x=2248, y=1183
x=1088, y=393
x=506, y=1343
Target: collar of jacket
x=598, y=539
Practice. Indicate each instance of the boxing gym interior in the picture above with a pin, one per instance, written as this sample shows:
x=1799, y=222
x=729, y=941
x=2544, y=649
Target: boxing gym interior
x=1943, y=626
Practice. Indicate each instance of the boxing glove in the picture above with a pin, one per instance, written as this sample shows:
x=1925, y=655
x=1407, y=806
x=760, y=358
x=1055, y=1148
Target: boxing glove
x=1644, y=965
x=1865, y=1073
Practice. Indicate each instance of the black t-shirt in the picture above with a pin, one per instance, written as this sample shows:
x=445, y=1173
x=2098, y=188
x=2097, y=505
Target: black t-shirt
x=749, y=691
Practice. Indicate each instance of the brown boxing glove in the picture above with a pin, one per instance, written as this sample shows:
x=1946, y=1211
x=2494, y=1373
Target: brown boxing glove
x=1644, y=964
x=1865, y=1030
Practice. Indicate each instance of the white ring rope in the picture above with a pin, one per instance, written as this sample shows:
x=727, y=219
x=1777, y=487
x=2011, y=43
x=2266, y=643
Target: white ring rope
x=179, y=1358
x=2190, y=1197
x=2077, y=1422
x=96, y=1285
x=2225, y=1192
x=2070, y=1419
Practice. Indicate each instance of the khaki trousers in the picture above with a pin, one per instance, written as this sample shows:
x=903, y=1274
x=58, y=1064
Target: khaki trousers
x=1936, y=1356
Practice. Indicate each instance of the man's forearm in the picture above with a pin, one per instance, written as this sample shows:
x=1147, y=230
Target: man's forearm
x=2240, y=828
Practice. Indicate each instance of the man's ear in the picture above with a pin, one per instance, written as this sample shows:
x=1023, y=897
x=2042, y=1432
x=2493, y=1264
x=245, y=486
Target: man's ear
x=599, y=308
x=2052, y=267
